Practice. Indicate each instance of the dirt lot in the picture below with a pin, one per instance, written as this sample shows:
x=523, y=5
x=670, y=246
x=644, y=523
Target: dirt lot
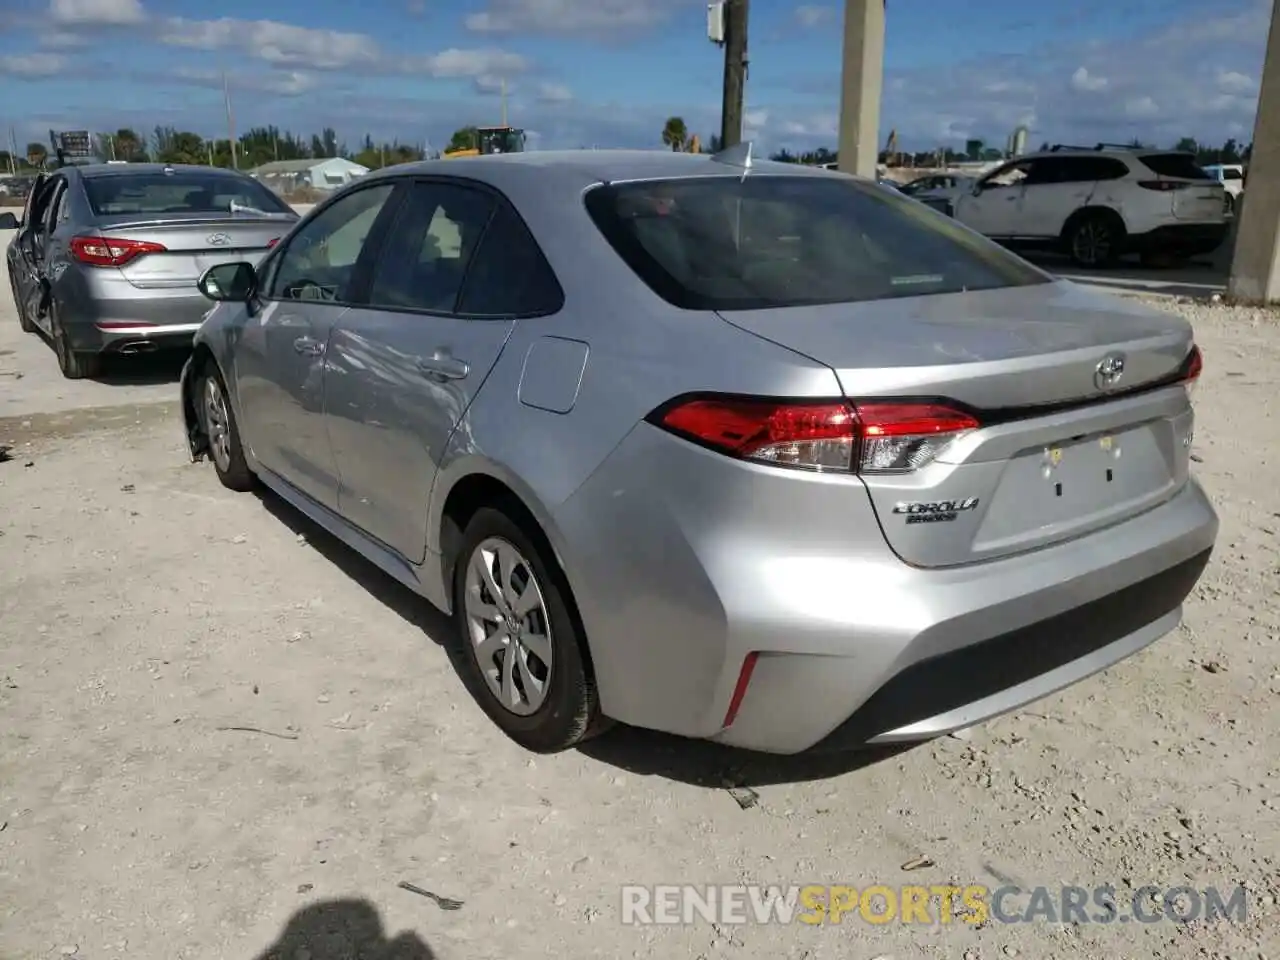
x=146, y=614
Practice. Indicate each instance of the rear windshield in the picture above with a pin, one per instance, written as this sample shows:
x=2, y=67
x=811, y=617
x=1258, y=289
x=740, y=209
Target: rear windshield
x=177, y=193
x=1179, y=165
x=729, y=243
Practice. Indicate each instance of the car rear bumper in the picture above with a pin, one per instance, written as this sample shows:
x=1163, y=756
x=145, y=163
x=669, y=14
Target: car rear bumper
x=132, y=326
x=1185, y=238
x=684, y=563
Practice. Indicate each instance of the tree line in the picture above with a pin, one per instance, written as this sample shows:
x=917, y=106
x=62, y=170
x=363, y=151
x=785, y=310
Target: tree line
x=260, y=145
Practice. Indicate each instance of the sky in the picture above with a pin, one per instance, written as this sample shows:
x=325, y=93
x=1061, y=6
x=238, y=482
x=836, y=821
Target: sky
x=607, y=73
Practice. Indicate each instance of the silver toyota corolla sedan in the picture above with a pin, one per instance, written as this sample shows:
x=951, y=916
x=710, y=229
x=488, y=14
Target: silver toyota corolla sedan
x=107, y=256
x=742, y=451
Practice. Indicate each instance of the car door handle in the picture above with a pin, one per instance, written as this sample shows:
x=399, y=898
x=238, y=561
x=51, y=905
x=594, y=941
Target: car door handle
x=443, y=367
x=308, y=347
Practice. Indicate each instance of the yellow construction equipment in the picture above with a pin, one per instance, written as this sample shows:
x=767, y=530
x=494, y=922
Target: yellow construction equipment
x=492, y=140
x=499, y=139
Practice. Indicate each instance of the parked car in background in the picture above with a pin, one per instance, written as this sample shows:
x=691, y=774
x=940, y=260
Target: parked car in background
x=837, y=470
x=1231, y=176
x=107, y=256
x=1097, y=204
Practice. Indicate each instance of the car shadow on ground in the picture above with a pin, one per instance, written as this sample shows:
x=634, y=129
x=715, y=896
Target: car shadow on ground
x=701, y=763
x=143, y=370
x=396, y=597
x=641, y=752
x=343, y=930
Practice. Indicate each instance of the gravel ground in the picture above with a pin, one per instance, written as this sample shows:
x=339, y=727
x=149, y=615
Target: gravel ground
x=223, y=735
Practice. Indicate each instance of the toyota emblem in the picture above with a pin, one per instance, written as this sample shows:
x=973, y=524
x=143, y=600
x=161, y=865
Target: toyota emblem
x=217, y=240
x=1109, y=371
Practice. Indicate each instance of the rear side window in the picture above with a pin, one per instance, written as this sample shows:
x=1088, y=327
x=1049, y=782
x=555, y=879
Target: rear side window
x=1232, y=175
x=509, y=276
x=1180, y=165
x=161, y=193
x=731, y=243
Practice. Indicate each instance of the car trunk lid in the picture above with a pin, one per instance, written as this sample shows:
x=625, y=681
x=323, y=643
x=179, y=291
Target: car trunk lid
x=189, y=245
x=1062, y=450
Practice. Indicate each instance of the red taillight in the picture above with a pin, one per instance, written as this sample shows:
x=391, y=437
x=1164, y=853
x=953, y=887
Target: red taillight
x=1163, y=185
x=827, y=435
x=272, y=242
x=111, y=251
x=1191, y=368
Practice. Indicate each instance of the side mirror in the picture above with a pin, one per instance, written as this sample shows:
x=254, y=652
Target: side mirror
x=9, y=222
x=977, y=188
x=232, y=282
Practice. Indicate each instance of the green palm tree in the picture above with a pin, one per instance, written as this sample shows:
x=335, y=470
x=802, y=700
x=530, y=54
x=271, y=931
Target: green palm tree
x=675, y=134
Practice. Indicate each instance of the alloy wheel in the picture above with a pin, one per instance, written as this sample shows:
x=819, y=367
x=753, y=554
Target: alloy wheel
x=508, y=625
x=1092, y=242
x=217, y=423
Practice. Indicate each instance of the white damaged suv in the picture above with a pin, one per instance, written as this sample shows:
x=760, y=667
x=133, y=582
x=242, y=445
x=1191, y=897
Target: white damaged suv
x=1098, y=204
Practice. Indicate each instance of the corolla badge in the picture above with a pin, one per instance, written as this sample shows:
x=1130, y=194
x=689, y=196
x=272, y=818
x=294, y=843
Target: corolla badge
x=1109, y=370
x=217, y=239
x=934, y=511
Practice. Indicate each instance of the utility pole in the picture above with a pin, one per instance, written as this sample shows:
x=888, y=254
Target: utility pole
x=231, y=124
x=1255, y=257
x=862, y=76
x=735, y=71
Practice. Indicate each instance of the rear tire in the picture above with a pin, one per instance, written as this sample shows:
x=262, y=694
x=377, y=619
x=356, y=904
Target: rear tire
x=74, y=364
x=218, y=422
x=520, y=651
x=1094, y=239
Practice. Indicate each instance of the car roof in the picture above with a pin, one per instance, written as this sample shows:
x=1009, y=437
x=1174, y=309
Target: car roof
x=579, y=169
x=98, y=170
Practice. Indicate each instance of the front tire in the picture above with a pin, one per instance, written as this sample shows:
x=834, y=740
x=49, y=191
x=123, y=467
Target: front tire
x=218, y=421
x=74, y=364
x=520, y=649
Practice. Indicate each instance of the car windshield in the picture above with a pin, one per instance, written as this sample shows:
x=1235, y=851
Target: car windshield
x=162, y=193
x=761, y=241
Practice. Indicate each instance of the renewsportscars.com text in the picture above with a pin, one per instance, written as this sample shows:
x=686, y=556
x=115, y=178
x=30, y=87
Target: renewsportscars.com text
x=975, y=904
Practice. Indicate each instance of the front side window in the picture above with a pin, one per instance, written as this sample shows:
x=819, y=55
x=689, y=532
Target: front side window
x=194, y=192
x=1011, y=176
x=730, y=243
x=320, y=261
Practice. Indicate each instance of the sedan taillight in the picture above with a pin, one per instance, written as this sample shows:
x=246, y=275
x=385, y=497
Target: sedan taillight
x=865, y=438
x=111, y=251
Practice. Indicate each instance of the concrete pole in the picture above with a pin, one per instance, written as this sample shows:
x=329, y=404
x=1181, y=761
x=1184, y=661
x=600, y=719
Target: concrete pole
x=862, y=77
x=1255, y=264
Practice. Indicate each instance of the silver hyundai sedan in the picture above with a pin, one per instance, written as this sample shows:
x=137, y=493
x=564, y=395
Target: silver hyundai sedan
x=106, y=258
x=737, y=450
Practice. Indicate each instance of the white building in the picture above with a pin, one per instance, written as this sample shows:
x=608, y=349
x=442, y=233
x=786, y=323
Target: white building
x=321, y=173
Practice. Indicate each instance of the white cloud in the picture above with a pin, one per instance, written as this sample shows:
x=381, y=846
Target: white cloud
x=810, y=15
x=96, y=13
x=1234, y=82
x=33, y=66
x=554, y=93
x=274, y=42
x=575, y=17
x=455, y=63
x=1085, y=82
